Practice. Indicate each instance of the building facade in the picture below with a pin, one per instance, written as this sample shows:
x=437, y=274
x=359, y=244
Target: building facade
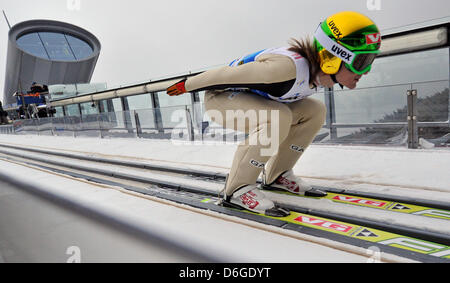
x=48, y=52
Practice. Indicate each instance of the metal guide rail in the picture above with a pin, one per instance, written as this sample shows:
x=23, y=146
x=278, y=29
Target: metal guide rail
x=416, y=244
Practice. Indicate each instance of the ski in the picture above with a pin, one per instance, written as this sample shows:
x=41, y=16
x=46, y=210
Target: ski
x=340, y=231
x=372, y=239
x=432, y=209
x=374, y=203
x=407, y=242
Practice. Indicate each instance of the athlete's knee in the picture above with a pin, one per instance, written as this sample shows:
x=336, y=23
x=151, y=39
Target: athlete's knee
x=320, y=111
x=274, y=130
x=283, y=122
x=315, y=110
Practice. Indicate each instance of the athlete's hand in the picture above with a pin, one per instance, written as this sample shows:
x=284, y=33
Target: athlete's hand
x=177, y=89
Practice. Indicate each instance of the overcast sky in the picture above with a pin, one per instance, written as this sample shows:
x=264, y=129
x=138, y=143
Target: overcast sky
x=143, y=40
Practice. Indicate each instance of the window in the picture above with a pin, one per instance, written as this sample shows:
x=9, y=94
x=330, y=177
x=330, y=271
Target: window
x=431, y=65
x=31, y=43
x=55, y=46
x=79, y=47
x=381, y=95
x=381, y=104
x=59, y=111
x=201, y=96
x=103, y=104
x=166, y=100
x=142, y=101
x=72, y=110
x=117, y=104
x=88, y=108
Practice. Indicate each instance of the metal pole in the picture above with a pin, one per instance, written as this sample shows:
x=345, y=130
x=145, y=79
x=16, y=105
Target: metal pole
x=449, y=88
x=331, y=112
x=138, y=125
x=6, y=18
x=413, y=136
x=126, y=115
x=189, y=125
x=37, y=121
x=52, y=127
x=157, y=117
x=99, y=120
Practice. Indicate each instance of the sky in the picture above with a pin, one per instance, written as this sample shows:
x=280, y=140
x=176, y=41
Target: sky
x=143, y=40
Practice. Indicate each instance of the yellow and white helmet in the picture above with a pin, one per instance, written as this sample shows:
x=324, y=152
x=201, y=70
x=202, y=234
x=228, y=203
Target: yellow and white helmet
x=348, y=37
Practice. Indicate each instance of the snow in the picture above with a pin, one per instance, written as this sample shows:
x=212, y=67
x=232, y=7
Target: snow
x=196, y=229
x=421, y=222
x=422, y=169
x=419, y=173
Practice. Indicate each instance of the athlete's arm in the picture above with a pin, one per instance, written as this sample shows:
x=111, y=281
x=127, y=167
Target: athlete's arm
x=271, y=73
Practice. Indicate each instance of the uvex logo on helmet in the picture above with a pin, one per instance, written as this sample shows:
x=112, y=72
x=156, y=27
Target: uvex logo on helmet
x=341, y=53
x=335, y=29
x=373, y=38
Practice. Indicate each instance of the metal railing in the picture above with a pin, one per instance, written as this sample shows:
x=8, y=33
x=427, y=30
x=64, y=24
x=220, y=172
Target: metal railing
x=390, y=115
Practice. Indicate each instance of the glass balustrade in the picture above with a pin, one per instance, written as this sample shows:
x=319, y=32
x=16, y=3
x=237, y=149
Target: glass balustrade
x=370, y=115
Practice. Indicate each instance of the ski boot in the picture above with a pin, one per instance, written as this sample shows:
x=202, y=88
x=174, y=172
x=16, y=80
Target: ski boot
x=250, y=197
x=294, y=184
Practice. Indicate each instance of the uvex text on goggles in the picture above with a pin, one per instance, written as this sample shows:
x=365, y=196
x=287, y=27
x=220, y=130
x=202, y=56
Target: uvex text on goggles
x=359, y=62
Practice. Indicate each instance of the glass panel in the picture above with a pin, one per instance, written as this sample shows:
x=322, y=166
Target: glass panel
x=117, y=104
x=437, y=136
x=59, y=127
x=90, y=88
x=165, y=100
x=72, y=110
x=59, y=111
x=432, y=101
x=90, y=126
x=118, y=124
x=57, y=46
x=88, y=108
x=433, y=106
x=147, y=120
x=31, y=43
x=323, y=136
x=59, y=91
x=80, y=48
x=45, y=126
x=142, y=101
x=421, y=66
x=397, y=135
x=173, y=117
x=201, y=96
x=381, y=105
x=104, y=106
x=62, y=91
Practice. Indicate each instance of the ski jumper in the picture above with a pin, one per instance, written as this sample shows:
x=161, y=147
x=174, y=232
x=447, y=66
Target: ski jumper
x=272, y=86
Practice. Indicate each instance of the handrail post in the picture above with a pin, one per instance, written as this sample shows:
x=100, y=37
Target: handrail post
x=190, y=126
x=413, y=130
x=331, y=112
x=138, y=124
x=157, y=116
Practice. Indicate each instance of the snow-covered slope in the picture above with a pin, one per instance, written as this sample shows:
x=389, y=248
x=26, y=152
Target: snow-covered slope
x=413, y=173
x=424, y=170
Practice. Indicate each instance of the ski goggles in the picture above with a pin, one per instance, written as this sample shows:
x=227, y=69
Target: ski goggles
x=359, y=62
